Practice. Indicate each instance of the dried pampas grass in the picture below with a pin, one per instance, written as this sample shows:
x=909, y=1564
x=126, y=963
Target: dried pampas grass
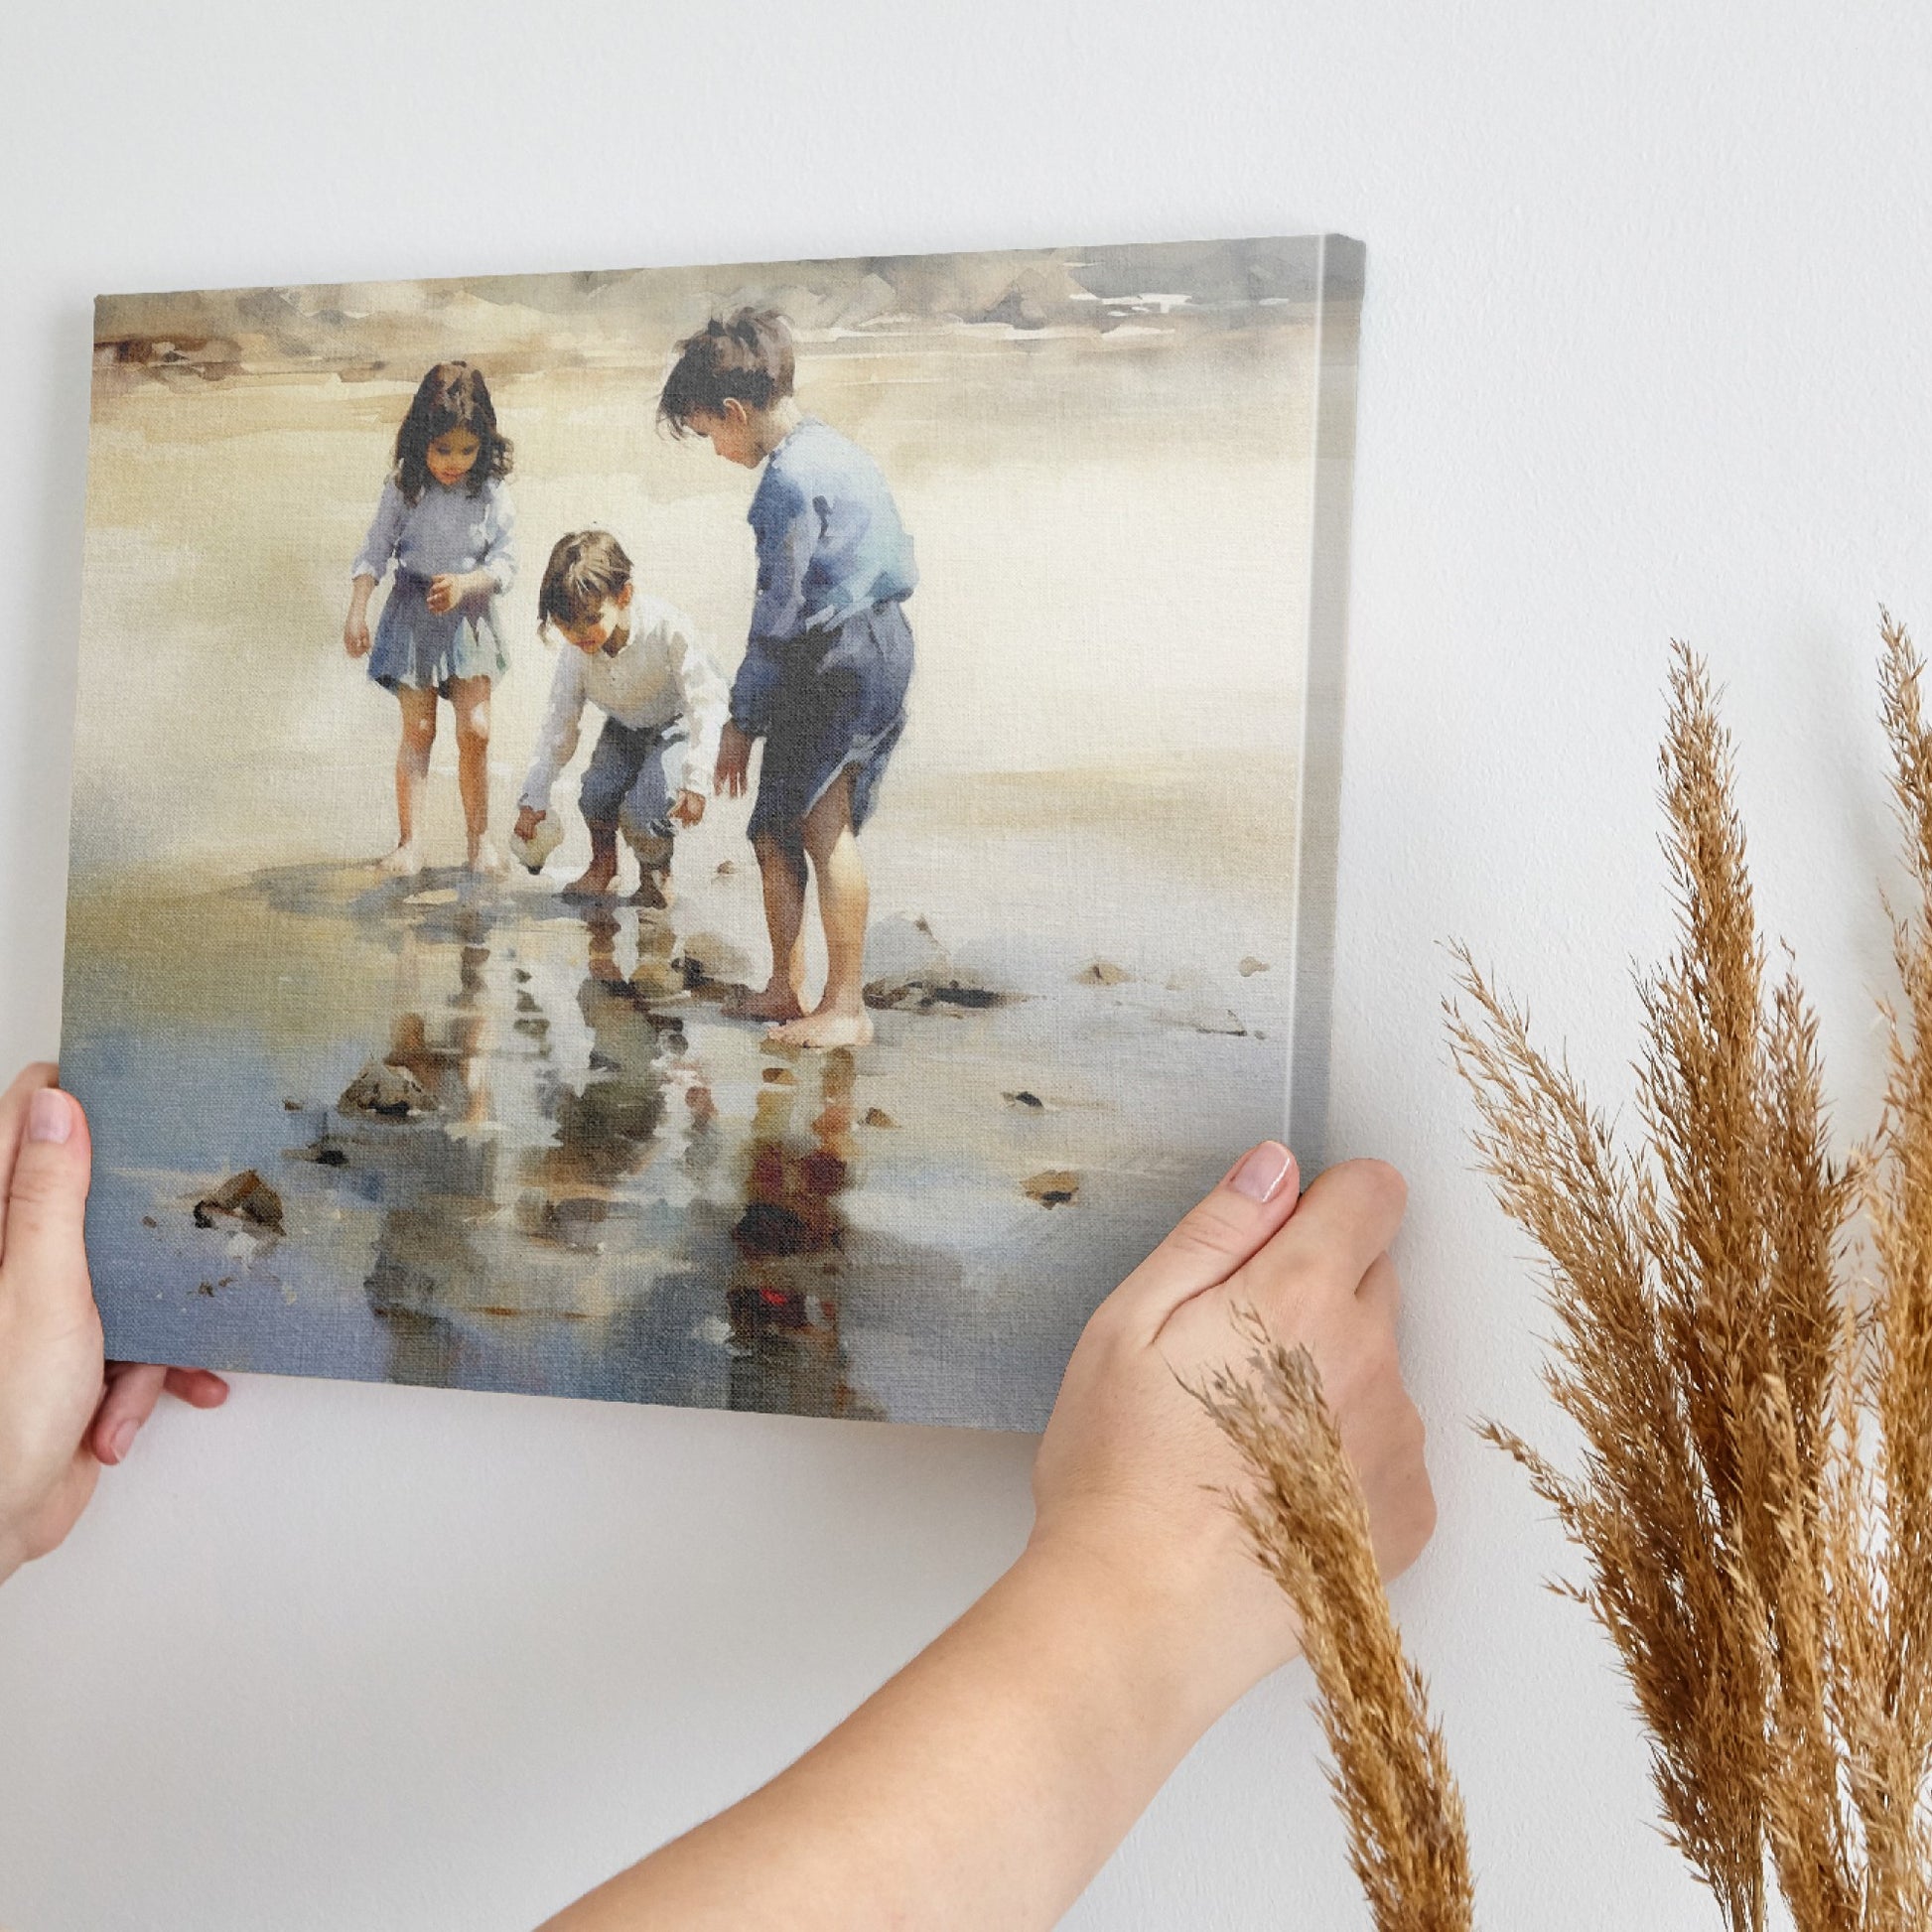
x=1754, y=1497
x=1308, y=1525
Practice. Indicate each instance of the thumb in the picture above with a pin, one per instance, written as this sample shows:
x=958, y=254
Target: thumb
x=44, y=1256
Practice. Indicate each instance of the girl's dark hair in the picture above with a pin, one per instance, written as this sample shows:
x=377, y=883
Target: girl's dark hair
x=745, y=355
x=453, y=395
x=584, y=568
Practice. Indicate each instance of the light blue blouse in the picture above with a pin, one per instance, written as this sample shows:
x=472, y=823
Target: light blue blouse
x=829, y=544
x=444, y=532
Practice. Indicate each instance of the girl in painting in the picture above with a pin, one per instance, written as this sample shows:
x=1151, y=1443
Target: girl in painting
x=446, y=520
x=826, y=668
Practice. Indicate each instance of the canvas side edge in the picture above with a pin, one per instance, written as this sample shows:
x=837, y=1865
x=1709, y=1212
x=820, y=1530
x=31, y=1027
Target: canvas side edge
x=78, y=642
x=1319, y=819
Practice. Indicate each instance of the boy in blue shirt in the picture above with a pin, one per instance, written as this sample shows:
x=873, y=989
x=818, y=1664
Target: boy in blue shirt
x=826, y=666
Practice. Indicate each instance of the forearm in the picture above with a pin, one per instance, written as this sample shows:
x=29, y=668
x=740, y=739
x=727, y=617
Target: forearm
x=984, y=1785
x=557, y=738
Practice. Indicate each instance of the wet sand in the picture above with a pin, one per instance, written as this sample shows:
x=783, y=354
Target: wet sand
x=605, y=1187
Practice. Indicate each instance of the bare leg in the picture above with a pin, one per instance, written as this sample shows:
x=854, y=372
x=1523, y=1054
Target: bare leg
x=844, y=902
x=782, y=875
x=597, y=880
x=412, y=778
x=470, y=699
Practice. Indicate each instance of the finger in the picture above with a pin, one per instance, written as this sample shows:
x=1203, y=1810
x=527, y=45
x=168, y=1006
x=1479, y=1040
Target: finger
x=14, y=1104
x=199, y=1388
x=1348, y=1217
x=43, y=1262
x=1255, y=1197
x=133, y=1388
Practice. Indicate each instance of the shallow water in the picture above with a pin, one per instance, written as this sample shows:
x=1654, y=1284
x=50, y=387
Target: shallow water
x=616, y=1191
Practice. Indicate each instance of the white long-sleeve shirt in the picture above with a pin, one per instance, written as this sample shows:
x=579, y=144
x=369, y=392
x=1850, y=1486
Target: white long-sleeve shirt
x=662, y=673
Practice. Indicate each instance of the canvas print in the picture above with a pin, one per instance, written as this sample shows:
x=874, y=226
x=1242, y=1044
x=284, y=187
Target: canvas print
x=738, y=836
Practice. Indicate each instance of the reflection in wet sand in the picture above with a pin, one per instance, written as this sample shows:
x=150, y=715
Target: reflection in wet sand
x=469, y=1201
x=783, y=1294
x=437, y=1177
x=532, y=1153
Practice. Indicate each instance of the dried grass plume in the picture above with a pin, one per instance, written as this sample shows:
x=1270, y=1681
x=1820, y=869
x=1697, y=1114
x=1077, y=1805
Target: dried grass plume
x=1754, y=1497
x=1308, y=1525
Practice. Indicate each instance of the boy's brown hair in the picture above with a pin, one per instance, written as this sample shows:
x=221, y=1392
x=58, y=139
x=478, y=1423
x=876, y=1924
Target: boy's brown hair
x=584, y=568
x=743, y=356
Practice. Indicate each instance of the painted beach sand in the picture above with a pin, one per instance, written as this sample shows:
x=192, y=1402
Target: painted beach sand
x=460, y=1132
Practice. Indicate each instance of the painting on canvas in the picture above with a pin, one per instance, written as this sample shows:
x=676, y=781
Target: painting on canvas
x=744, y=836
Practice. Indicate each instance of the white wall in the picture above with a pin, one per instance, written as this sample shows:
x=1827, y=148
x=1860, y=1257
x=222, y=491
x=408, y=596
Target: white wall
x=1643, y=355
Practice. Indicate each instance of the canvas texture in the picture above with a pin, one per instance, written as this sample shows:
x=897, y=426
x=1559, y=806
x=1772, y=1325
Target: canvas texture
x=1032, y=620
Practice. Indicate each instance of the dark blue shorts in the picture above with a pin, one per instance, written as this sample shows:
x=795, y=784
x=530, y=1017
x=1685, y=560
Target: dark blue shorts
x=840, y=703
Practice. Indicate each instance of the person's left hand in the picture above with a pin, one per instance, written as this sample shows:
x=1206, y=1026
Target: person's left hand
x=689, y=809
x=64, y=1411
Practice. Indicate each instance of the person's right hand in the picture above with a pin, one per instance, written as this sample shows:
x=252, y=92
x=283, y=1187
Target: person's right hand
x=63, y=1412
x=527, y=821
x=356, y=633
x=1129, y=1474
x=988, y=1781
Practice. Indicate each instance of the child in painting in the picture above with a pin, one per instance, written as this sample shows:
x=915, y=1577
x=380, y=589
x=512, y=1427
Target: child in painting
x=641, y=662
x=446, y=520
x=826, y=668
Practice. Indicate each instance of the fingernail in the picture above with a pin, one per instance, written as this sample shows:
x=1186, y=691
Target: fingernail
x=1261, y=1174
x=122, y=1438
x=50, y=1116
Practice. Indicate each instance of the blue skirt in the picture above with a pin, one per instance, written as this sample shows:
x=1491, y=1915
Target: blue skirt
x=427, y=651
x=840, y=703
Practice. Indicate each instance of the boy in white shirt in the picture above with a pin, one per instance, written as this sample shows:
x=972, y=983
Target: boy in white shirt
x=641, y=662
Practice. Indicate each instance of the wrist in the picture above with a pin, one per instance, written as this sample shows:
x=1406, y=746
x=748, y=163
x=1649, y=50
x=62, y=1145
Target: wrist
x=1155, y=1627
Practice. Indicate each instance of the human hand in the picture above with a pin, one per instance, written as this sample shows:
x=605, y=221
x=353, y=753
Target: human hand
x=355, y=632
x=63, y=1412
x=445, y=593
x=1130, y=1476
x=734, y=762
x=689, y=809
x=527, y=821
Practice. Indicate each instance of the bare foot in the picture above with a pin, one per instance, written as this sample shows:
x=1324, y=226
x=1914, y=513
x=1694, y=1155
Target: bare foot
x=654, y=892
x=777, y=1003
x=591, y=884
x=819, y=1031
x=405, y=862
x=486, y=861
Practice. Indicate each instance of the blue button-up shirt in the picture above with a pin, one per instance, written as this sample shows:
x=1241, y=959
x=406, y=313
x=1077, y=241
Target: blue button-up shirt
x=829, y=544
